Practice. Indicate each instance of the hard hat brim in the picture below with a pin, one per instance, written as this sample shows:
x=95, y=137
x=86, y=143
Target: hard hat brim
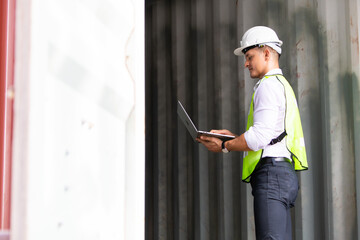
x=238, y=51
x=242, y=50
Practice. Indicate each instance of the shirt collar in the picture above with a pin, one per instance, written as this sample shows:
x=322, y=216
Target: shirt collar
x=275, y=71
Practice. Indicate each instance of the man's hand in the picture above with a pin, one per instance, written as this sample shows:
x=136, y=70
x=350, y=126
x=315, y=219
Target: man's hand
x=224, y=132
x=213, y=144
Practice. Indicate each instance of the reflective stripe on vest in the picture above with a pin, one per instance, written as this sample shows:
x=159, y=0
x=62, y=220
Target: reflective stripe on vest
x=294, y=140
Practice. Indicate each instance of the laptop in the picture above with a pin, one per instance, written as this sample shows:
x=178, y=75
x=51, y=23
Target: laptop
x=193, y=130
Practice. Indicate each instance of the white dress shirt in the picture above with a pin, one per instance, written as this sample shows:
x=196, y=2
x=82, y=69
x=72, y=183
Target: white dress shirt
x=269, y=117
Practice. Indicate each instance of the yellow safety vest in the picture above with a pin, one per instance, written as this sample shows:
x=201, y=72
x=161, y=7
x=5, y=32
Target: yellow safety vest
x=294, y=140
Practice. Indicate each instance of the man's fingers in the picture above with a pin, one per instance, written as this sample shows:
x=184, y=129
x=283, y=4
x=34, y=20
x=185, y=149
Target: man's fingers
x=205, y=138
x=215, y=131
x=222, y=131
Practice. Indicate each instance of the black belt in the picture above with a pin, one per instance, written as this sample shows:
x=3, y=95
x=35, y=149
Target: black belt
x=281, y=161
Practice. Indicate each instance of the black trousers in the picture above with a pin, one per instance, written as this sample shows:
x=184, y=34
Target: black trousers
x=274, y=187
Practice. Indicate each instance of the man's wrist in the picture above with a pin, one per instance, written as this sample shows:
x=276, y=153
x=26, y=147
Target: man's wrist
x=223, y=147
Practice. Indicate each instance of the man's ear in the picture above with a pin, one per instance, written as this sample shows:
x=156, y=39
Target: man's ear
x=267, y=53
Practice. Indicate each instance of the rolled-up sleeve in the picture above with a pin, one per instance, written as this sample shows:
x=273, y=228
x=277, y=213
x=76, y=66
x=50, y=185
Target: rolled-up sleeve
x=269, y=112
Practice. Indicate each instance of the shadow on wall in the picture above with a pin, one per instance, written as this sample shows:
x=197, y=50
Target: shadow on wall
x=347, y=83
x=356, y=108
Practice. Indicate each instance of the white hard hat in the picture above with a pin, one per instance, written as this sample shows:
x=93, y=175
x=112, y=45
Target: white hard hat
x=256, y=36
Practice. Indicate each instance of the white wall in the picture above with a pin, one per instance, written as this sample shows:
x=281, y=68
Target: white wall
x=78, y=151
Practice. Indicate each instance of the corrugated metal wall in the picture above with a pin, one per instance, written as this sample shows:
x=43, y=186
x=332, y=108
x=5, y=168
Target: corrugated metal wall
x=194, y=194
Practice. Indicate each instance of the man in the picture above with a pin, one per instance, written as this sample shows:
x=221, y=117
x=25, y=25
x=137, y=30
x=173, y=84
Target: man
x=273, y=143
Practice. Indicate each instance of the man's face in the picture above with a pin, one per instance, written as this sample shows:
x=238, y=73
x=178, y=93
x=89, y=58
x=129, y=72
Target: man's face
x=255, y=62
